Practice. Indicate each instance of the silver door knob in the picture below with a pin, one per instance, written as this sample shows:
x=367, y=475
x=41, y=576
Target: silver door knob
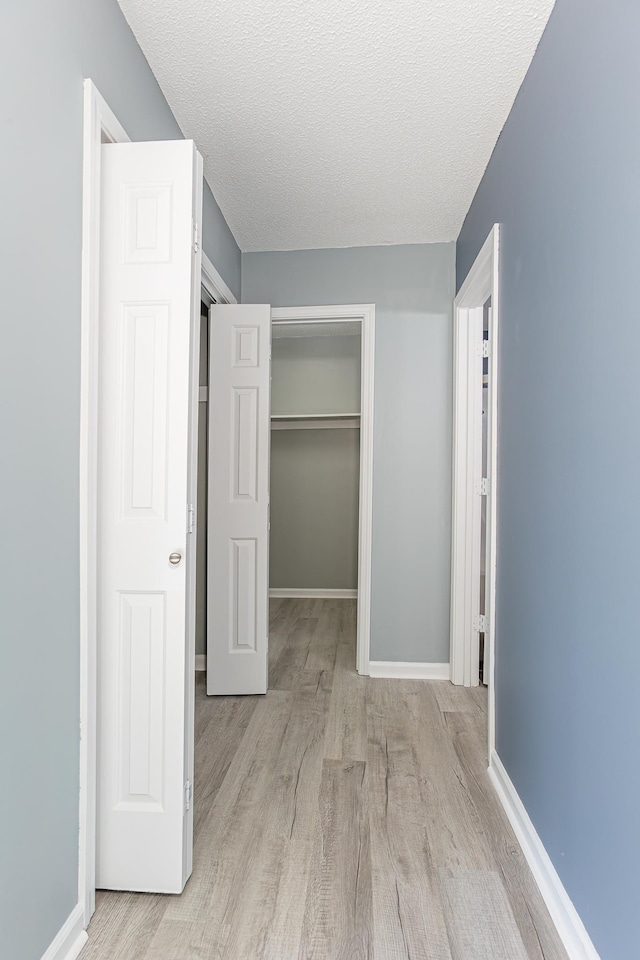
x=175, y=558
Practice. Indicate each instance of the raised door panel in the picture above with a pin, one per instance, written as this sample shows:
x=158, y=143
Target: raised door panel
x=144, y=410
x=141, y=681
x=243, y=584
x=244, y=443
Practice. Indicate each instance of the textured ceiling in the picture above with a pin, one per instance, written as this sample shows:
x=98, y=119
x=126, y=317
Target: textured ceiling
x=328, y=123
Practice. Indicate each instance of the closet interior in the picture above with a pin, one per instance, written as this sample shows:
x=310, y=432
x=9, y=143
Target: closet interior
x=315, y=458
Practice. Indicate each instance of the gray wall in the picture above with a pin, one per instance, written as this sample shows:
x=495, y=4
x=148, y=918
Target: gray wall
x=412, y=288
x=46, y=49
x=314, y=509
x=563, y=181
x=315, y=374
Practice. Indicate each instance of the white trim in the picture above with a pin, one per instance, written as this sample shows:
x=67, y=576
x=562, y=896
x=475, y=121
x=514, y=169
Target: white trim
x=366, y=314
x=70, y=939
x=201, y=662
x=213, y=286
x=570, y=927
x=482, y=283
x=99, y=124
x=328, y=593
x=397, y=670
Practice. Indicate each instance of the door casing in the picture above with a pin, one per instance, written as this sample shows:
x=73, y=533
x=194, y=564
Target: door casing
x=480, y=285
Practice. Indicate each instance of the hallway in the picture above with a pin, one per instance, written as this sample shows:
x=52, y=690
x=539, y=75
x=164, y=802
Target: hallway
x=338, y=818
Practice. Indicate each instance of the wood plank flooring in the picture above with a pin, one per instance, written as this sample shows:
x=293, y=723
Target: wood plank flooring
x=338, y=818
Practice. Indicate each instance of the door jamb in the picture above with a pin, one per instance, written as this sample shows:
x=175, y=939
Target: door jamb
x=214, y=289
x=481, y=283
x=366, y=314
x=100, y=126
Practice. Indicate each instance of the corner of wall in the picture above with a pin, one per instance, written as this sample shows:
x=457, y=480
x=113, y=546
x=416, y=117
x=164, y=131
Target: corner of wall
x=70, y=939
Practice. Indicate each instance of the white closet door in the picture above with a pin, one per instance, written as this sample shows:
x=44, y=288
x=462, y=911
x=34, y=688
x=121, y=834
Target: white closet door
x=238, y=504
x=149, y=311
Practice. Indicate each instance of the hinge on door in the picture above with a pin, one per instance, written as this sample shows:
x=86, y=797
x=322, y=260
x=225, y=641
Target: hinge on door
x=480, y=623
x=191, y=518
x=188, y=794
x=484, y=348
x=482, y=486
x=196, y=243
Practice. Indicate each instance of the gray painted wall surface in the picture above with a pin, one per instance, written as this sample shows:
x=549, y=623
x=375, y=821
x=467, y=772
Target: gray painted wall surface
x=314, y=509
x=46, y=49
x=315, y=375
x=314, y=473
x=412, y=287
x=563, y=181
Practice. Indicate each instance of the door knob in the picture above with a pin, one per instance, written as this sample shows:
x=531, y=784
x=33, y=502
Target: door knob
x=175, y=558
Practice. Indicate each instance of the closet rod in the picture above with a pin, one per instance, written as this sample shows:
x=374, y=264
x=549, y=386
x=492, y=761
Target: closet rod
x=315, y=416
x=316, y=423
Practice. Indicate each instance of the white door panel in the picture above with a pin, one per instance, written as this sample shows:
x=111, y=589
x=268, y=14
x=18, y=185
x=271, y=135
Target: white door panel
x=149, y=301
x=239, y=438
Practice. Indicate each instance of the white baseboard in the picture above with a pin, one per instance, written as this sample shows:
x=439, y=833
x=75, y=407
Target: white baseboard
x=309, y=593
x=563, y=913
x=201, y=661
x=397, y=670
x=70, y=939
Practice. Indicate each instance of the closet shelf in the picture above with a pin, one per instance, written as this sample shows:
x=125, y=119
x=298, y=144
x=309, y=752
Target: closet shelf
x=314, y=416
x=315, y=421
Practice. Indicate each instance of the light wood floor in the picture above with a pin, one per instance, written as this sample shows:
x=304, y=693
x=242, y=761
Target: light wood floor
x=338, y=818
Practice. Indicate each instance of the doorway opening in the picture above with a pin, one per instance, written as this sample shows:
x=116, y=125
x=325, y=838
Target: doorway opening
x=314, y=471
x=213, y=291
x=321, y=458
x=309, y=372
x=475, y=459
x=315, y=460
x=486, y=338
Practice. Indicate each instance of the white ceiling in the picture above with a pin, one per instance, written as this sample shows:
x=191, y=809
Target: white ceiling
x=331, y=123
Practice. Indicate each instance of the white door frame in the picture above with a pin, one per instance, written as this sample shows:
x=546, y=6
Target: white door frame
x=366, y=314
x=481, y=283
x=100, y=126
x=214, y=289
